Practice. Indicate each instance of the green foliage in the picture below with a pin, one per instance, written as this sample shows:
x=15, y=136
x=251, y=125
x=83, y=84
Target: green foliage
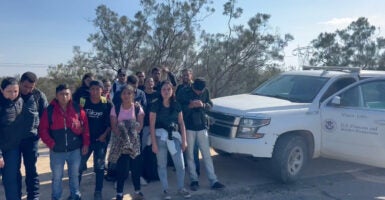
x=169, y=32
x=118, y=40
x=48, y=86
x=355, y=46
x=172, y=39
x=237, y=64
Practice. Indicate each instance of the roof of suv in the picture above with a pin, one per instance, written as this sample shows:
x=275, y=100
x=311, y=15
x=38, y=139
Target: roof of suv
x=336, y=71
x=322, y=73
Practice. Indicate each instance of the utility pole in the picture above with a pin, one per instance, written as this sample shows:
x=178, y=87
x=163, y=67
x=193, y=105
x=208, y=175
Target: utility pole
x=303, y=54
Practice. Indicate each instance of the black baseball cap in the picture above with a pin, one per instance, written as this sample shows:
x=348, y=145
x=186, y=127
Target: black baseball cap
x=199, y=84
x=96, y=83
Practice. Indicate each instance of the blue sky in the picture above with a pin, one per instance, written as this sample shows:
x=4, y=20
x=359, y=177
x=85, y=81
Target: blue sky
x=38, y=33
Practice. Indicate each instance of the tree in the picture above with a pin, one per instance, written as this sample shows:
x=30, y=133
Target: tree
x=72, y=72
x=118, y=39
x=234, y=63
x=169, y=32
x=354, y=46
x=172, y=39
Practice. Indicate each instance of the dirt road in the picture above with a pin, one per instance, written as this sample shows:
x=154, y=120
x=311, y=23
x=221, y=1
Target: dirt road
x=151, y=191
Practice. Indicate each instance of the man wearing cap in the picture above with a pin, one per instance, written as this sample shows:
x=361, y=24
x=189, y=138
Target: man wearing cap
x=98, y=110
x=195, y=101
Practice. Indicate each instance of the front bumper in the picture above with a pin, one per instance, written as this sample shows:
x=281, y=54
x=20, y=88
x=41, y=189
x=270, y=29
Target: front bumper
x=261, y=148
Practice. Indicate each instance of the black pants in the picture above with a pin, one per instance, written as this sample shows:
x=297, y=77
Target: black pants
x=122, y=173
x=29, y=152
x=150, y=168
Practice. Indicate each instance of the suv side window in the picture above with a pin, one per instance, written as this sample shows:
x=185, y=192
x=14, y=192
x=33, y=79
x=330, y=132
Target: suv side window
x=374, y=94
x=336, y=86
x=368, y=95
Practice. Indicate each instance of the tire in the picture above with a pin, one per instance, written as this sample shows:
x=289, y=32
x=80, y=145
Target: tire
x=289, y=158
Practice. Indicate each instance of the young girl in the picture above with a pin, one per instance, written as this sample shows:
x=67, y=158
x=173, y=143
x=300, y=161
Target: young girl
x=165, y=116
x=12, y=126
x=126, y=124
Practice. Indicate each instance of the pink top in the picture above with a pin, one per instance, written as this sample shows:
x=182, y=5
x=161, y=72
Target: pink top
x=126, y=114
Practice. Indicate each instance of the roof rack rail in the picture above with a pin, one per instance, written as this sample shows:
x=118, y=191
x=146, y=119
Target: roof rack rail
x=332, y=68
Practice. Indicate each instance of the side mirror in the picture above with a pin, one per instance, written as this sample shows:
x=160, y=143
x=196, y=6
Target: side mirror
x=336, y=101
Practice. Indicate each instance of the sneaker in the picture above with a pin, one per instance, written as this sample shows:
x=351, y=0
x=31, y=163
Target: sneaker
x=166, y=195
x=119, y=197
x=143, y=181
x=183, y=192
x=194, y=185
x=138, y=196
x=98, y=195
x=217, y=186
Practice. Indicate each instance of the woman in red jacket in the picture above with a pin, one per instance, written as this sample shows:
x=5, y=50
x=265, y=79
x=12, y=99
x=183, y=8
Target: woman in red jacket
x=64, y=129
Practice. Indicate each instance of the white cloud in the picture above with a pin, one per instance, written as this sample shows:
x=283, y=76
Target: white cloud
x=339, y=22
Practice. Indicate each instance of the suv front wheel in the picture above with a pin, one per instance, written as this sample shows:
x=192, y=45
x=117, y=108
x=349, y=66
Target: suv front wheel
x=289, y=157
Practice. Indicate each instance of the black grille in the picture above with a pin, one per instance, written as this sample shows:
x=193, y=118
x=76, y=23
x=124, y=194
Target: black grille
x=220, y=130
x=222, y=117
x=221, y=124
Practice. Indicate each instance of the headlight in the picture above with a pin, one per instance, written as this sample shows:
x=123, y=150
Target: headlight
x=248, y=128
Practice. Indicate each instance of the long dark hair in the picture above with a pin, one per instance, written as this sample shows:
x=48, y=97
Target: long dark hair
x=85, y=76
x=172, y=98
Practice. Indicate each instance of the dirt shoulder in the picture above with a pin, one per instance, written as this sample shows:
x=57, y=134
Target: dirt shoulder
x=151, y=191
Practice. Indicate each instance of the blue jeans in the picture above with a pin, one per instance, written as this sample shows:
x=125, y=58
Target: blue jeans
x=11, y=181
x=201, y=139
x=162, y=163
x=57, y=161
x=99, y=152
x=29, y=152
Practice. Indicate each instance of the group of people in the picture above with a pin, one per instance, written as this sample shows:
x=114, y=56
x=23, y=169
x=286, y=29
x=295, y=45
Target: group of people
x=145, y=121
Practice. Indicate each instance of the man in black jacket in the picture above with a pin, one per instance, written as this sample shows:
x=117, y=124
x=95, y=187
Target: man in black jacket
x=29, y=144
x=195, y=102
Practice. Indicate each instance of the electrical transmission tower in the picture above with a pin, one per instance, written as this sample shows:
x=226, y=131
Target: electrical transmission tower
x=303, y=54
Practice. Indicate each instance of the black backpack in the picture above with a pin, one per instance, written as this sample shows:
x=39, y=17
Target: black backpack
x=137, y=109
x=50, y=111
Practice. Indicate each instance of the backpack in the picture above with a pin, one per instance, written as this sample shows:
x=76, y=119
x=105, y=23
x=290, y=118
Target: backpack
x=50, y=111
x=83, y=100
x=137, y=109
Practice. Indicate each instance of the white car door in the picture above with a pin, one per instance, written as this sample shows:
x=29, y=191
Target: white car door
x=353, y=123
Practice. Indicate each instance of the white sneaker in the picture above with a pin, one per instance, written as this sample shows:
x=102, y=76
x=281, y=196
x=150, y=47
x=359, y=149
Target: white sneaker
x=183, y=192
x=166, y=195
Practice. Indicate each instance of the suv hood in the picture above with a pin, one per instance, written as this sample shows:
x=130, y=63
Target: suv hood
x=245, y=103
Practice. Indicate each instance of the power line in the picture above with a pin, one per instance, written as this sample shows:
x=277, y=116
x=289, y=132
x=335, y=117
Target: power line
x=33, y=65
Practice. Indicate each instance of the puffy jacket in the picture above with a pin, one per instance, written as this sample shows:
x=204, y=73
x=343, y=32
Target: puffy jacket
x=14, y=121
x=68, y=130
x=35, y=103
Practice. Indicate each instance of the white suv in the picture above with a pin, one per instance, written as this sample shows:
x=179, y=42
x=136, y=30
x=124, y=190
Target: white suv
x=298, y=115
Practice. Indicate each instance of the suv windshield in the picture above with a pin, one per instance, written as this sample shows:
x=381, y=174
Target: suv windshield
x=295, y=88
